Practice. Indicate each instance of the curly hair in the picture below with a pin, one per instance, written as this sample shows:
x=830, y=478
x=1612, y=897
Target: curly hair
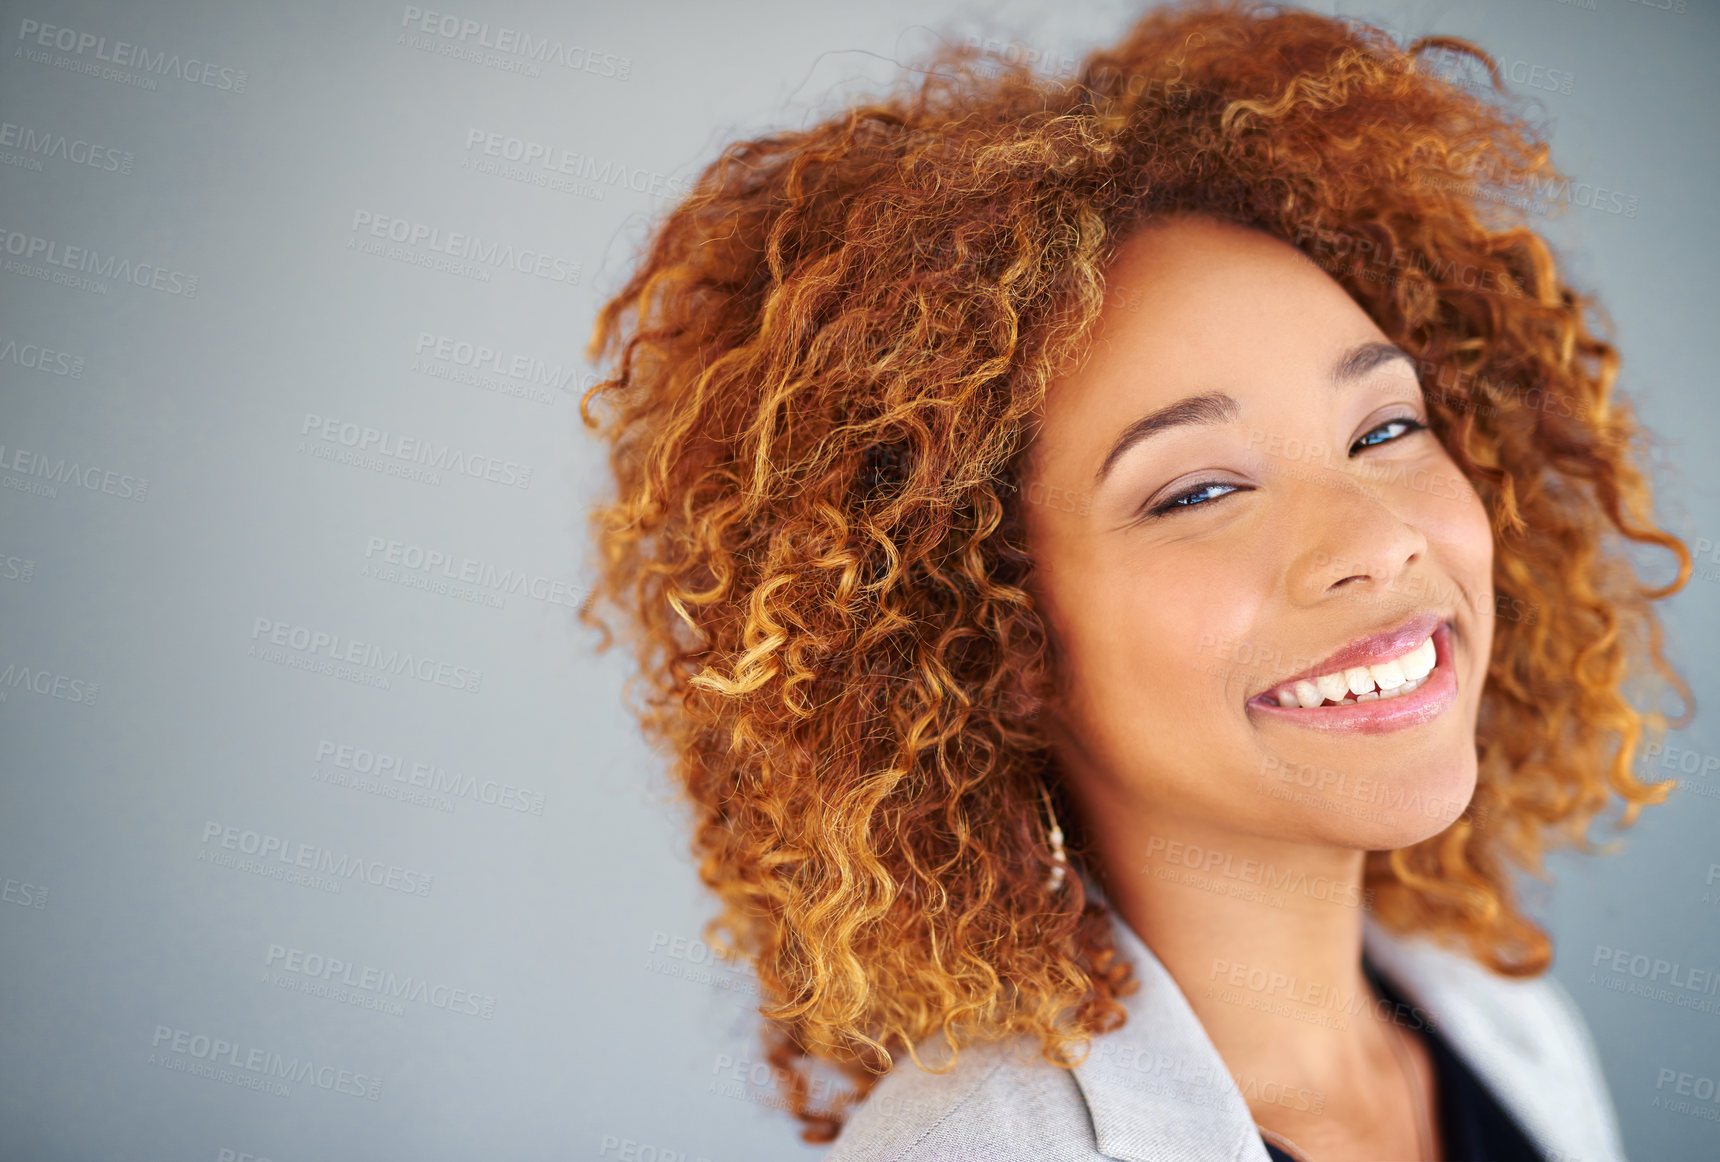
x=822, y=377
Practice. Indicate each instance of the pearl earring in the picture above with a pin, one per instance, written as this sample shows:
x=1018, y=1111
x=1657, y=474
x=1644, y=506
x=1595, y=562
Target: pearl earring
x=1059, y=861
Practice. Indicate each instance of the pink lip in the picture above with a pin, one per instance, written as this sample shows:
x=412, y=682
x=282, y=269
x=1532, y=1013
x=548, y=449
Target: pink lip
x=1376, y=647
x=1423, y=704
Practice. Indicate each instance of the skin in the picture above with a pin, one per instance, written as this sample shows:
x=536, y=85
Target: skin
x=1163, y=626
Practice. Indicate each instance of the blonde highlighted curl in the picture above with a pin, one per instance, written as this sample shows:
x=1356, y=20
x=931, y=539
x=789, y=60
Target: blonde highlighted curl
x=822, y=373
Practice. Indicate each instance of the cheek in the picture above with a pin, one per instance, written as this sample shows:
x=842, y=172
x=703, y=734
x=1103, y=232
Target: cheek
x=1158, y=676
x=1460, y=539
x=1458, y=528
x=1163, y=639
x=1205, y=637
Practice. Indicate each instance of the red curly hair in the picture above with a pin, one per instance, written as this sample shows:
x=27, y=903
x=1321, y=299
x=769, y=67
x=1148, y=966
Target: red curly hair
x=824, y=370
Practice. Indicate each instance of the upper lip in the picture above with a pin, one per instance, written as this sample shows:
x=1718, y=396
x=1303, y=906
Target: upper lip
x=1375, y=647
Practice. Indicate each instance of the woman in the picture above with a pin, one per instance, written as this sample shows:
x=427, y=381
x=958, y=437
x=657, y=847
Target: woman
x=1120, y=569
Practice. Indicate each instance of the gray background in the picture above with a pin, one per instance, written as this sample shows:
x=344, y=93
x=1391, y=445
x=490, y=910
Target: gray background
x=555, y=890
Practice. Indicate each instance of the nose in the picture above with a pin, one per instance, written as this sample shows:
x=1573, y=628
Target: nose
x=1347, y=536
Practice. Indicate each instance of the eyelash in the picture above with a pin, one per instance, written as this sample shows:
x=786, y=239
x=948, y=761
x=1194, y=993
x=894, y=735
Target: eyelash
x=1174, y=503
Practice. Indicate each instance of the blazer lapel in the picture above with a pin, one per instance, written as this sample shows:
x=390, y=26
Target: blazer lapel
x=1157, y=1088
x=1524, y=1039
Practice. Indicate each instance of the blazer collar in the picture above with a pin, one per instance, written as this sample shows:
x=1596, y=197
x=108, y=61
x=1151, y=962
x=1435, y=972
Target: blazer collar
x=1523, y=1038
x=1157, y=1088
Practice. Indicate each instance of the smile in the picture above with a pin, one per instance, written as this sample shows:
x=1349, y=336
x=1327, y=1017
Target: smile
x=1363, y=683
x=1404, y=688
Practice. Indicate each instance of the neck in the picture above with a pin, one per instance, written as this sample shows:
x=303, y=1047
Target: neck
x=1263, y=937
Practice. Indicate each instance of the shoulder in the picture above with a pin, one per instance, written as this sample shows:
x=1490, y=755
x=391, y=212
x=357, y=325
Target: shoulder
x=1531, y=1019
x=1525, y=1036
x=999, y=1102
x=1549, y=1030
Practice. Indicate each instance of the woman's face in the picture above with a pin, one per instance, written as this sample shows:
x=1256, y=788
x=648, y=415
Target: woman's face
x=1287, y=509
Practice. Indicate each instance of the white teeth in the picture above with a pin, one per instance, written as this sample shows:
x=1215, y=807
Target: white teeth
x=1367, y=683
x=1403, y=689
x=1333, y=686
x=1387, y=675
x=1418, y=663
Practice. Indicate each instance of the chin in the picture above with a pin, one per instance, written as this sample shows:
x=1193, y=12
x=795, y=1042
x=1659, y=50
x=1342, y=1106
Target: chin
x=1383, y=810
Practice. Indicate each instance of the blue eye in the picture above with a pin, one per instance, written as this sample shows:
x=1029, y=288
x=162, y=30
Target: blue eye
x=1189, y=499
x=1407, y=424
x=1202, y=494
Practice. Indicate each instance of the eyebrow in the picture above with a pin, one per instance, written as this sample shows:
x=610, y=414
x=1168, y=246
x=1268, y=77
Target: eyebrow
x=1215, y=407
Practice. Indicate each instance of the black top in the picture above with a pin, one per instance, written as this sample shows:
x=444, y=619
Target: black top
x=1474, y=1126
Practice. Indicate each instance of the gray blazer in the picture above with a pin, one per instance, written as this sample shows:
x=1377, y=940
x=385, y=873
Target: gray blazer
x=1156, y=1089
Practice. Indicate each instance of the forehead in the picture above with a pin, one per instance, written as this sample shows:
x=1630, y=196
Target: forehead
x=1194, y=304
x=1194, y=286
